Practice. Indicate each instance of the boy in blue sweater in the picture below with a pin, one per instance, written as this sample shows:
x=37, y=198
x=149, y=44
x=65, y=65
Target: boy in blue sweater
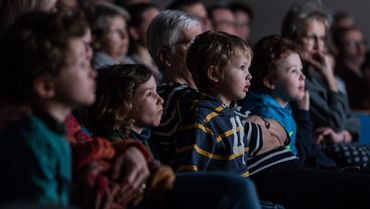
x=45, y=66
x=278, y=80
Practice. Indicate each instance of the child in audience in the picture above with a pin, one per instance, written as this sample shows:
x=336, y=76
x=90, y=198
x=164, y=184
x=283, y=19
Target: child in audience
x=213, y=136
x=277, y=80
x=127, y=105
x=46, y=67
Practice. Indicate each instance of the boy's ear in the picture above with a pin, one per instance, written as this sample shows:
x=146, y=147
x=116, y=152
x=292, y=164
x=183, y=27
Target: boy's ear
x=43, y=86
x=133, y=33
x=268, y=82
x=163, y=57
x=213, y=74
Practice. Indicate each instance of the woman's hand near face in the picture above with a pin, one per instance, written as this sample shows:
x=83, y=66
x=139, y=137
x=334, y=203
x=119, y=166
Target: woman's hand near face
x=325, y=64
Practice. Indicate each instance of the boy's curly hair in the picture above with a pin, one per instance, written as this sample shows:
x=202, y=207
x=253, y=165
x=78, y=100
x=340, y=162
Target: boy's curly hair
x=116, y=85
x=267, y=52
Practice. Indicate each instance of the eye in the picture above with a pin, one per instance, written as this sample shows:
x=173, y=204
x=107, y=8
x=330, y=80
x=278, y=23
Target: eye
x=242, y=67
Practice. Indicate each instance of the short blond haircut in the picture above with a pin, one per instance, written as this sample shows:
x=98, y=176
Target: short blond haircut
x=213, y=49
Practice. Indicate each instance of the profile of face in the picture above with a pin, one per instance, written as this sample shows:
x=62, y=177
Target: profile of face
x=288, y=83
x=242, y=24
x=353, y=47
x=236, y=80
x=313, y=38
x=147, y=105
x=115, y=40
x=224, y=20
x=75, y=84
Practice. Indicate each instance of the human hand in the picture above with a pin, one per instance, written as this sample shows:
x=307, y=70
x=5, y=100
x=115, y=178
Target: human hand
x=131, y=170
x=321, y=61
x=304, y=103
x=162, y=180
x=277, y=131
x=272, y=134
x=328, y=135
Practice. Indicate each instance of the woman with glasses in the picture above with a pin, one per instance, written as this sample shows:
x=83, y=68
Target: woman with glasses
x=335, y=127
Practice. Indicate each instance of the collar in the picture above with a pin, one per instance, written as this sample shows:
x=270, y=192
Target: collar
x=50, y=122
x=143, y=136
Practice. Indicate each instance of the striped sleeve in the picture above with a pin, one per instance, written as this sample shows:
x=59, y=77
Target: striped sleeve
x=253, y=137
x=195, y=145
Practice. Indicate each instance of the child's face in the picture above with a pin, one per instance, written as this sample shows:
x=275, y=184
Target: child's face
x=75, y=84
x=115, y=41
x=236, y=82
x=147, y=105
x=288, y=82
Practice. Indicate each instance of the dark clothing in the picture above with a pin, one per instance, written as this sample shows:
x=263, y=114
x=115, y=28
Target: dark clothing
x=329, y=109
x=309, y=153
x=358, y=88
x=301, y=188
x=37, y=162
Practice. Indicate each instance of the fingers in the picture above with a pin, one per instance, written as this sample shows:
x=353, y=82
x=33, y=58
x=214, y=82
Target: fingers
x=117, y=167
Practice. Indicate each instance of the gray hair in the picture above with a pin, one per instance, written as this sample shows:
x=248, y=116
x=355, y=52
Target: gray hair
x=166, y=29
x=294, y=22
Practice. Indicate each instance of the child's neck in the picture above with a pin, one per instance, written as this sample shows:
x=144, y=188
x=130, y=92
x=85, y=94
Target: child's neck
x=215, y=93
x=56, y=110
x=283, y=103
x=137, y=129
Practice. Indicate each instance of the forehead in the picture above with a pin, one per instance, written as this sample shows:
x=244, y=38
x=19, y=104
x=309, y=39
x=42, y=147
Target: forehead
x=314, y=26
x=241, y=55
x=289, y=60
x=149, y=84
x=191, y=32
x=116, y=21
x=353, y=34
x=76, y=49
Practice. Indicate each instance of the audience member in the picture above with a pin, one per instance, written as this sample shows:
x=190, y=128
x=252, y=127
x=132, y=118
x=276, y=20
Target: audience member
x=110, y=36
x=142, y=15
x=195, y=8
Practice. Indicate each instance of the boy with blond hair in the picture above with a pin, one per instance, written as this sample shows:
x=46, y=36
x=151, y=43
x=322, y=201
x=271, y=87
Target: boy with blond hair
x=212, y=134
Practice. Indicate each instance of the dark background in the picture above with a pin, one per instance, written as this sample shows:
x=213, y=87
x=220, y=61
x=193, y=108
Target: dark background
x=268, y=14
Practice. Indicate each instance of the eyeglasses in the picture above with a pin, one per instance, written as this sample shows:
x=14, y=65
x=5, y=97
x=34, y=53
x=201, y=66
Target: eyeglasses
x=355, y=43
x=186, y=43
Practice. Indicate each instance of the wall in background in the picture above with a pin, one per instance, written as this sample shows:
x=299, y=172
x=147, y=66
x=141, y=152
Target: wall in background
x=268, y=18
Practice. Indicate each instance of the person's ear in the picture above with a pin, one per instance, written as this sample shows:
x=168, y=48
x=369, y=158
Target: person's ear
x=269, y=83
x=163, y=57
x=213, y=74
x=43, y=86
x=134, y=33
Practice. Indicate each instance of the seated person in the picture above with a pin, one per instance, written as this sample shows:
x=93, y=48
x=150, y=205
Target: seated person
x=110, y=36
x=127, y=105
x=213, y=136
x=35, y=153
